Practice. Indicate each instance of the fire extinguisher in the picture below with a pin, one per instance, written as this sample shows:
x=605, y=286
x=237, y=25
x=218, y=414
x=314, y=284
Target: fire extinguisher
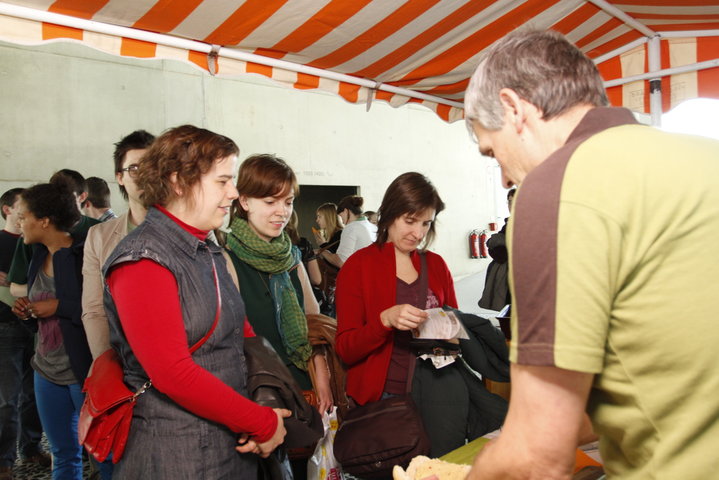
x=474, y=248
x=483, y=244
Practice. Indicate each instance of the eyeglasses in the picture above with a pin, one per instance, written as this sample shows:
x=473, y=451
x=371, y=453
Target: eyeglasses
x=131, y=170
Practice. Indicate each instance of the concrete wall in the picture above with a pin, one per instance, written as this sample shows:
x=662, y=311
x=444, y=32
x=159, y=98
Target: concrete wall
x=64, y=105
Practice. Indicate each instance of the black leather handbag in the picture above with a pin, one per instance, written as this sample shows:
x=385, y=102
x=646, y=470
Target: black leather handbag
x=375, y=437
x=271, y=384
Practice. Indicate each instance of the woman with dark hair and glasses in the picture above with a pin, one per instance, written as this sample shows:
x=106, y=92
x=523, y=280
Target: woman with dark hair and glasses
x=168, y=288
x=381, y=298
x=48, y=212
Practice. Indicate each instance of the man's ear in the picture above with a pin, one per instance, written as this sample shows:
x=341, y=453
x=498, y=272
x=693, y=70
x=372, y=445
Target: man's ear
x=515, y=109
x=118, y=177
x=82, y=197
x=6, y=211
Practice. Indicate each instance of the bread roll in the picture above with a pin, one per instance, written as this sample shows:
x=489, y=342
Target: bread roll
x=422, y=467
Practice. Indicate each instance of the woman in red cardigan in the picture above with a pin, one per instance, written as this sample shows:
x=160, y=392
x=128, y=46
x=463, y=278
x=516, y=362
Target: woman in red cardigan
x=379, y=302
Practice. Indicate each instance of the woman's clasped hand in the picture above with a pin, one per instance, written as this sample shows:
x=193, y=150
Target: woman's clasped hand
x=264, y=449
x=403, y=317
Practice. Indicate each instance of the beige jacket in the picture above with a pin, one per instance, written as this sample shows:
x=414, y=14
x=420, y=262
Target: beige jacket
x=101, y=241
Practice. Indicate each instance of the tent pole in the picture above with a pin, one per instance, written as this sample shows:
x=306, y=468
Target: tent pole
x=616, y=12
x=694, y=67
x=655, y=84
x=620, y=50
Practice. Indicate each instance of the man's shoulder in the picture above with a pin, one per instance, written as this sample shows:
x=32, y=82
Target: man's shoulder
x=106, y=228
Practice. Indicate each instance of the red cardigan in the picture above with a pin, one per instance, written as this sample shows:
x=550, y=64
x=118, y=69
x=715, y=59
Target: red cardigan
x=366, y=286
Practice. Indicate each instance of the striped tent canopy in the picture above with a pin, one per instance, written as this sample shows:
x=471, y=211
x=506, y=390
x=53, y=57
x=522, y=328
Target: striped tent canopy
x=397, y=51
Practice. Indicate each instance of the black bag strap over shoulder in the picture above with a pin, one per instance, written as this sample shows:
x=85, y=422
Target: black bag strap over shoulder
x=423, y=280
x=424, y=293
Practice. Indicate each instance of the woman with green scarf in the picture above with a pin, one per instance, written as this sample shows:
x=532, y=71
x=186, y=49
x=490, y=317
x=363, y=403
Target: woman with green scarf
x=273, y=282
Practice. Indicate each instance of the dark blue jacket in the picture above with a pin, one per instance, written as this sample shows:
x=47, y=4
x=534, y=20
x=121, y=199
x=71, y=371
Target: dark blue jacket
x=67, y=264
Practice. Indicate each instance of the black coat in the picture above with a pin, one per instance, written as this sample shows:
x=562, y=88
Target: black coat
x=496, y=284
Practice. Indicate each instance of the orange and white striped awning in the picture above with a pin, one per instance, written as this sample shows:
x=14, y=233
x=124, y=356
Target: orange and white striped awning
x=396, y=51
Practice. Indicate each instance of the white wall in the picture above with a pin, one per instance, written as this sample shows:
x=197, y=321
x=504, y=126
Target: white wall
x=64, y=105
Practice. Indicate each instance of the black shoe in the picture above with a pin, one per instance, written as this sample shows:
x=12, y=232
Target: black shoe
x=39, y=458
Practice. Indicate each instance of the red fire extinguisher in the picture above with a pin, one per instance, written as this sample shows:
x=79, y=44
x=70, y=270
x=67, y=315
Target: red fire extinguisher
x=474, y=248
x=483, y=244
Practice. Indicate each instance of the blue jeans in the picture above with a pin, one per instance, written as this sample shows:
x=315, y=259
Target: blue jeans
x=59, y=407
x=17, y=394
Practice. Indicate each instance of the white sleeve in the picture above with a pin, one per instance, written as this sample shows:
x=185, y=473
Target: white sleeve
x=347, y=243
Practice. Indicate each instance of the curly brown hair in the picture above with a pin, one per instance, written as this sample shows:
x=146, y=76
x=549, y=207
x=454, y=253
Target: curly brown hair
x=188, y=152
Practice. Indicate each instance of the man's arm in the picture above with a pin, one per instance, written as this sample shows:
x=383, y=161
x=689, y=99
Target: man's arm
x=94, y=319
x=546, y=419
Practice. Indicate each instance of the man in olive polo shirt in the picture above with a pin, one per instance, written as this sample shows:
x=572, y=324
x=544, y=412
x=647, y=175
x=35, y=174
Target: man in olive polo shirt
x=613, y=270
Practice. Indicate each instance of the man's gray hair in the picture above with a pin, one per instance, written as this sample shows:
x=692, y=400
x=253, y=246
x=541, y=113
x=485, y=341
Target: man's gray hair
x=542, y=67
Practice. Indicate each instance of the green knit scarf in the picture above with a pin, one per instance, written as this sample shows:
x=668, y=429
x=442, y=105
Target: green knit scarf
x=275, y=258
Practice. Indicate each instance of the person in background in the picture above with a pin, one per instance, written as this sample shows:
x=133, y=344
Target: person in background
x=17, y=276
x=380, y=301
x=48, y=212
x=357, y=232
x=167, y=288
x=306, y=251
x=103, y=238
x=613, y=273
x=97, y=203
x=273, y=281
x=371, y=216
x=328, y=238
x=330, y=227
x=18, y=413
x=496, y=283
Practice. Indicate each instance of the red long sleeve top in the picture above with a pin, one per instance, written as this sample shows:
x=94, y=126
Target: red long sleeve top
x=366, y=286
x=148, y=304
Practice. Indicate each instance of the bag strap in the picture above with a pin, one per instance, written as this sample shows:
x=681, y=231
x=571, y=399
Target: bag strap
x=200, y=342
x=207, y=336
x=423, y=279
x=423, y=285
x=325, y=248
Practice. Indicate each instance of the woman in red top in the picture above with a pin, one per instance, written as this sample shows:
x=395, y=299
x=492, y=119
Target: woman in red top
x=379, y=302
